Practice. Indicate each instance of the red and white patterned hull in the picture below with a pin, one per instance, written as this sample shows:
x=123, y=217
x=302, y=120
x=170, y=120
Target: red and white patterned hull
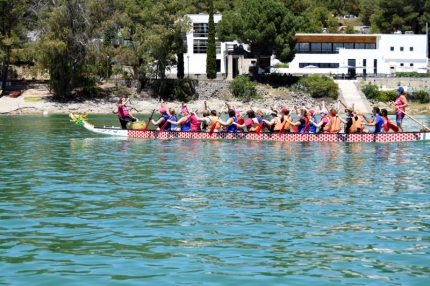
x=290, y=137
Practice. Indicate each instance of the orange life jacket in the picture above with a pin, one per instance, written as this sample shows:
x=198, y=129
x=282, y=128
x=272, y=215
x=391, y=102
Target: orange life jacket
x=213, y=121
x=335, y=124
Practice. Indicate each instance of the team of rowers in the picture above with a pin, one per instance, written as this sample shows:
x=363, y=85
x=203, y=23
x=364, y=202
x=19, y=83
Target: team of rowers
x=281, y=120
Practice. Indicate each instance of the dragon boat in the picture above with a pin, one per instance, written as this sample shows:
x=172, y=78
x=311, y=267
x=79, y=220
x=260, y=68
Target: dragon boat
x=263, y=136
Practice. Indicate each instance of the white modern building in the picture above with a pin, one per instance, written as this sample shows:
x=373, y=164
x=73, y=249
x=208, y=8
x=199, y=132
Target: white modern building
x=370, y=55
x=232, y=58
x=367, y=54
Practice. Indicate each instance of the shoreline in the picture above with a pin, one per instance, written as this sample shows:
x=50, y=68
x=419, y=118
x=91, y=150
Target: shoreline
x=39, y=101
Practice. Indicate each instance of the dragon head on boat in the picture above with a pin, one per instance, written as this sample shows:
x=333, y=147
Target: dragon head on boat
x=78, y=119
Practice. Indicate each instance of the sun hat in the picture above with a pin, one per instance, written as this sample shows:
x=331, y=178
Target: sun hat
x=400, y=89
x=237, y=111
x=284, y=110
x=323, y=111
x=311, y=112
x=184, y=110
x=162, y=110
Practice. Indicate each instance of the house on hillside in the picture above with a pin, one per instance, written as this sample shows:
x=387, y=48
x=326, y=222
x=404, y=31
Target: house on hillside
x=366, y=54
x=232, y=58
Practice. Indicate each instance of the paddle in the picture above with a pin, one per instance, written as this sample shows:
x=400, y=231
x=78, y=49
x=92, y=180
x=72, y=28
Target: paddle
x=165, y=123
x=260, y=126
x=425, y=127
x=283, y=126
x=150, y=117
x=214, y=123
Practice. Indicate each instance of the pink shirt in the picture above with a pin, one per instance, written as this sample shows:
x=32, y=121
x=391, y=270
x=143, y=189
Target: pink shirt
x=399, y=102
x=122, y=111
x=325, y=120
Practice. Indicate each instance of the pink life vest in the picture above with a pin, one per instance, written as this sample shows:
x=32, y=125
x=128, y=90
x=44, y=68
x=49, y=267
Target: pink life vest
x=195, y=124
x=399, y=102
x=122, y=111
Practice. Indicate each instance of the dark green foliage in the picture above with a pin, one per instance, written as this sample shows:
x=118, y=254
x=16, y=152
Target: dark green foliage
x=243, y=87
x=320, y=86
x=181, y=69
x=281, y=79
x=412, y=74
x=421, y=95
x=371, y=91
x=211, y=51
x=387, y=95
x=179, y=89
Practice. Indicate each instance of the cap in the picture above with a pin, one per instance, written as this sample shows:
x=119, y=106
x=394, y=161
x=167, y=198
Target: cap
x=237, y=111
x=323, y=111
x=213, y=111
x=284, y=110
x=183, y=110
x=400, y=89
x=349, y=109
x=162, y=110
x=312, y=112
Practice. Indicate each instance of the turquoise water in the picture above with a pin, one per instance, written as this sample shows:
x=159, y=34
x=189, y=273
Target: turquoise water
x=81, y=208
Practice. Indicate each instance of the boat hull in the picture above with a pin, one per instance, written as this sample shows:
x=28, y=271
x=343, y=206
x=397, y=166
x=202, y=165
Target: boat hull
x=287, y=137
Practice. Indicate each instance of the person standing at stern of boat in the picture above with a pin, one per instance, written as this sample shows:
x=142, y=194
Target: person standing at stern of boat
x=160, y=122
x=377, y=121
x=124, y=115
x=400, y=104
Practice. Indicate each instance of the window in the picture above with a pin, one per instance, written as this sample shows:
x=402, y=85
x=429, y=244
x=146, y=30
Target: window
x=200, y=46
x=326, y=47
x=401, y=49
x=337, y=46
x=392, y=49
x=315, y=47
x=370, y=46
x=411, y=64
x=401, y=64
x=201, y=30
x=411, y=49
x=304, y=47
x=348, y=45
x=359, y=45
x=320, y=65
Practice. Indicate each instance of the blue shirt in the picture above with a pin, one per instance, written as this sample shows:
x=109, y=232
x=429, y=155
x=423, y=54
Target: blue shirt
x=379, y=124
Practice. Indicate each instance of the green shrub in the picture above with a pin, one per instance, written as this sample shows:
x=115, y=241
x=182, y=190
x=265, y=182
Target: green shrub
x=412, y=74
x=320, y=86
x=387, y=95
x=280, y=66
x=421, y=95
x=244, y=88
x=371, y=91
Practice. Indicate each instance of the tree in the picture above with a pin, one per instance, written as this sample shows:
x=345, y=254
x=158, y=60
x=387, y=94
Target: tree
x=211, y=50
x=265, y=25
x=12, y=20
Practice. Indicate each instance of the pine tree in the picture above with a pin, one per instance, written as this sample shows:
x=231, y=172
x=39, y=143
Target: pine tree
x=211, y=51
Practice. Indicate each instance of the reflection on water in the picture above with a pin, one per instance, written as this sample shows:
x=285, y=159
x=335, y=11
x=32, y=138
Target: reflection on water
x=80, y=207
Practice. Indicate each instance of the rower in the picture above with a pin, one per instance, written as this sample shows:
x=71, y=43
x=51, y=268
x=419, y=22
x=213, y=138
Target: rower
x=377, y=121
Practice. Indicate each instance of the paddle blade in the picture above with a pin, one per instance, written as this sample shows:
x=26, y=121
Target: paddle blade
x=393, y=127
x=295, y=129
x=282, y=129
x=259, y=127
x=147, y=124
x=212, y=129
x=164, y=126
